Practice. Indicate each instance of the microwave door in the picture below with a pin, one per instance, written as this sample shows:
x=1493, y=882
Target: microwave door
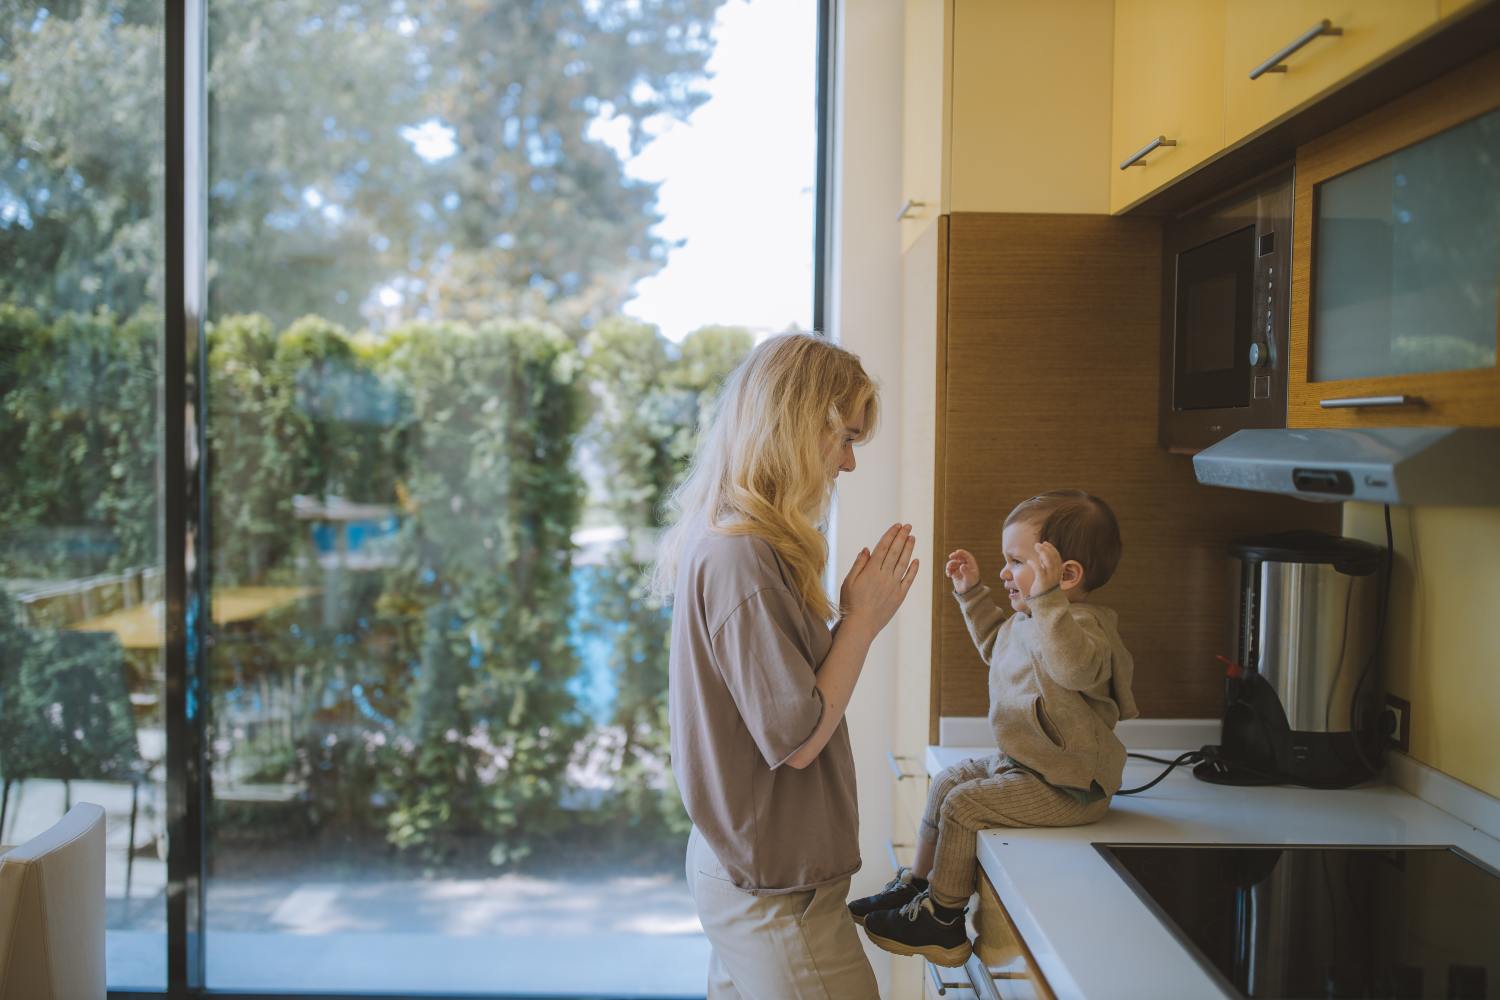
x=1215, y=288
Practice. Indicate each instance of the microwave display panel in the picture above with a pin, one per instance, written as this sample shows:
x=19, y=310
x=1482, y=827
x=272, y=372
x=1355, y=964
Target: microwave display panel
x=1407, y=259
x=1215, y=284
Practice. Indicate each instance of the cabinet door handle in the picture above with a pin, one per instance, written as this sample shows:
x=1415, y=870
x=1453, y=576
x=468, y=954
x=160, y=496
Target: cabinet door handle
x=941, y=985
x=1345, y=402
x=1275, y=64
x=900, y=773
x=1138, y=158
x=980, y=980
x=906, y=208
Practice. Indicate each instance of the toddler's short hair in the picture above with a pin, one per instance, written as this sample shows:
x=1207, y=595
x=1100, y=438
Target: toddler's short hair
x=1081, y=526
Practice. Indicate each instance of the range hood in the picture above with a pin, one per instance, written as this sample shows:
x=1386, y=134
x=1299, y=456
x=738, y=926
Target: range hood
x=1439, y=466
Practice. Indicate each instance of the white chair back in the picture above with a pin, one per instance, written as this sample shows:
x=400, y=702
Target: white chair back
x=52, y=912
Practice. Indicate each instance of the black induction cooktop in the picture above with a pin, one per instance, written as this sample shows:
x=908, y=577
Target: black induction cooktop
x=1326, y=921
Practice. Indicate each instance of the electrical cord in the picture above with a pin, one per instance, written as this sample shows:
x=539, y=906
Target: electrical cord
x=1191, y=757
x=1380, y=612
x=1211, y=754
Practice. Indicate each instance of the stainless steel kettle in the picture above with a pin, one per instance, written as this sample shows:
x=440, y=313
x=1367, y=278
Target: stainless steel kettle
x=1304, y=681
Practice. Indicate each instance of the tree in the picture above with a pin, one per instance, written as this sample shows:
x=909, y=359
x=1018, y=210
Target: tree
x=80, y=156
x=79, y=426
x=543, y=218
x=320, y=196
x=486, y=561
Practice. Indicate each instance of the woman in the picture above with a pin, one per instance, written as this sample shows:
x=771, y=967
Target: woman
x=759, y=682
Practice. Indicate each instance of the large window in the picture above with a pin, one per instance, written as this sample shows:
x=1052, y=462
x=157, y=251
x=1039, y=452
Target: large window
x=81, y=512
x=474, y=272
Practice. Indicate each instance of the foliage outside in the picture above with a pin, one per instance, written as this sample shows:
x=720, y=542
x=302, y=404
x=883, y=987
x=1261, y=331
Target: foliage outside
x=447, y=151
x=434, y=176
x=434, y=700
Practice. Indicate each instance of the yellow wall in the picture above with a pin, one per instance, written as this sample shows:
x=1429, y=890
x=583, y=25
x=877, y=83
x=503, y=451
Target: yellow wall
x=1443, y=636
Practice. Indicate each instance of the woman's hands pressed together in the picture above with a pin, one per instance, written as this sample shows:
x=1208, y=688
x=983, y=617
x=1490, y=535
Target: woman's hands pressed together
x=879, y=581
x=875, y=587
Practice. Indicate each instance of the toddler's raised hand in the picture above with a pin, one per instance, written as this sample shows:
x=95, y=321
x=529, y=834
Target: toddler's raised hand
x=962, y=569
x=1046, y=569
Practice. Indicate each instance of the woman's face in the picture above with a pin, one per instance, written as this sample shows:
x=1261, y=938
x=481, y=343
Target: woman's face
x=841, y=450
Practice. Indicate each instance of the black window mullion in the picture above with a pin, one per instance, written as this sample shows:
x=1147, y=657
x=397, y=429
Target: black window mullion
x=183, y=503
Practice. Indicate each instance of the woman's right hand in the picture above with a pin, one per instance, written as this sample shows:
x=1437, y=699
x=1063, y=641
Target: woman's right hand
x=963, y=570
x=879, y=580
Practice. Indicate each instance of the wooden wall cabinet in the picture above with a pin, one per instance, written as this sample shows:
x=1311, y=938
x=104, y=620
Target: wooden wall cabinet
x=925, y=109
x=1396, y=262
x=1183, y=72
x=1048, y=371
x=1168, y=84
x=1255, y=30
x=1006, y=107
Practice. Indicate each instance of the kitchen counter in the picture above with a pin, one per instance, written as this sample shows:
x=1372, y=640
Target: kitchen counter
x=1093, y=937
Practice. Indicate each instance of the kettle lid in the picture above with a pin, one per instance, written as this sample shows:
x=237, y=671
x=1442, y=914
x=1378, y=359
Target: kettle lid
x=1348, y=555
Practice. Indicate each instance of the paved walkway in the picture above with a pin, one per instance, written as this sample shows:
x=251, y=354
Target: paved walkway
x=574, y=932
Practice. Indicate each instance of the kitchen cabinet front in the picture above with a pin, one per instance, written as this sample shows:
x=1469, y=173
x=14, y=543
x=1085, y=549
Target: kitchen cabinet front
x=1319, y=43
x=1168, y=93
x=1002, y=953
x=1201, y=85
x=1396, y=262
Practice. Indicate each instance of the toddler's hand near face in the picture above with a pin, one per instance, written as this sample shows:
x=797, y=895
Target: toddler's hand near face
x=963, y=570
x=1046, y=569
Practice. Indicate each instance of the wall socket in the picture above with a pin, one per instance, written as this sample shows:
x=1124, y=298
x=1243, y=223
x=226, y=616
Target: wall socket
x=1400, y=710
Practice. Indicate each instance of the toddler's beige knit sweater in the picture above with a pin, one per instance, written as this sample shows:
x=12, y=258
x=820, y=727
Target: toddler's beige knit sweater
x=1059, y=681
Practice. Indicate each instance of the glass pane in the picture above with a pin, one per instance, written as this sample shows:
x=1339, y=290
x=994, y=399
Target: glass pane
x=1408, y=259
x=81, y=237
x=440, y=434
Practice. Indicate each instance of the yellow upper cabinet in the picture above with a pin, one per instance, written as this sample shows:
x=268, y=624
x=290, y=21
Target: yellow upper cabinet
x=1322, y=42
x=1030, y=106
x=1006, y=108
x=924, y=110
x=1168, y=85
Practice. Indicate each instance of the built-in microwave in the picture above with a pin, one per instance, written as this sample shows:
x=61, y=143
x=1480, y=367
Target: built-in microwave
x=1226, y=273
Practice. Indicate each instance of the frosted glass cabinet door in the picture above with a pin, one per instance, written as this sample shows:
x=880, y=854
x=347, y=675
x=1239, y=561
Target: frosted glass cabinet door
x=1406, y=260
x=1396, y=261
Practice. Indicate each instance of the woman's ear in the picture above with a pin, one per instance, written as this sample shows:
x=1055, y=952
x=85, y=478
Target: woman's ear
x=1072, y=574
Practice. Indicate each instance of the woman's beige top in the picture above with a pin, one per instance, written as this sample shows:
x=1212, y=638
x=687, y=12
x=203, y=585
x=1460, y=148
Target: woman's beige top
x=744, y=663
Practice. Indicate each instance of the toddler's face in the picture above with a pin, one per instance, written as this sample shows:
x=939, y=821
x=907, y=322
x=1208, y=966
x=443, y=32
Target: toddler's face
x=1018, y=543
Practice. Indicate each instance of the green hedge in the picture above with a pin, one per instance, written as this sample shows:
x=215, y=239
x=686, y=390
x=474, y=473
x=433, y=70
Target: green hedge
x=435, y=707
x=650, y=403
x=78, y=444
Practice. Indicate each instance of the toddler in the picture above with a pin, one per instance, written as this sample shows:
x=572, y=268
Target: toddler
x=1059, y=681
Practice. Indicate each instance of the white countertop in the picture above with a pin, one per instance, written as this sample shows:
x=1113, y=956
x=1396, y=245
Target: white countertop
x=1093, y=937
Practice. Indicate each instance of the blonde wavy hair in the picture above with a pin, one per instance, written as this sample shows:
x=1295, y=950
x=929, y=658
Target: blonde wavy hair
x=761, y=467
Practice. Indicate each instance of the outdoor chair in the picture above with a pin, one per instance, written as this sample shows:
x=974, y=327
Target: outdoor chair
x=65, y=716
x=52, y=911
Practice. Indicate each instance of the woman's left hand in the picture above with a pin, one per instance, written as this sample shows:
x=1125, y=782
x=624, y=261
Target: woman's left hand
x=859, y=564
x=879, y=580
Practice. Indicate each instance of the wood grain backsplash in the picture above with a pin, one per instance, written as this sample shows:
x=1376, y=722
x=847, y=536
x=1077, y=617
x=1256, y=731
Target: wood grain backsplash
x=1048, y=370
